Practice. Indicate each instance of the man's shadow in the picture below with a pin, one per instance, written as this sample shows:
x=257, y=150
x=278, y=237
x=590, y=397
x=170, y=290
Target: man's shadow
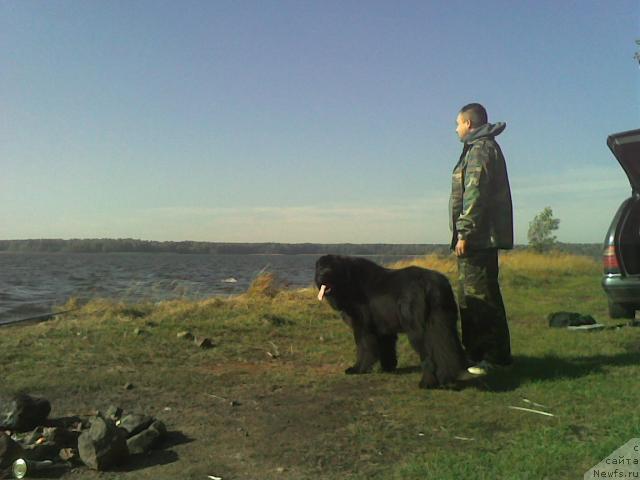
x=526, y=369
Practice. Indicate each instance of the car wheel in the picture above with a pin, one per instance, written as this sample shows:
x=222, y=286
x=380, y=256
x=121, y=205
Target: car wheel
x=619, y=310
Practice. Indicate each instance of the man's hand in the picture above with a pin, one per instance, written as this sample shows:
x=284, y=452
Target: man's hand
x=461, y=248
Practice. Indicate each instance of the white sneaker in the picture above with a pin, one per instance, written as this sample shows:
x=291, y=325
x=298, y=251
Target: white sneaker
x=481, y=368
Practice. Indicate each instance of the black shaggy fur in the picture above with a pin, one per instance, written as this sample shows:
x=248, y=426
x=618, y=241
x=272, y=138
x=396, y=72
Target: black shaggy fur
x=378, y=303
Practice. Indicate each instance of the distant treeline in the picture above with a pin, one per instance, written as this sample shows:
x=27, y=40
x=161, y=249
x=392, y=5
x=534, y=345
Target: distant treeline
x=107, y=245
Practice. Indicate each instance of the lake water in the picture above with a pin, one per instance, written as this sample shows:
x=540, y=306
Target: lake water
x=32, y=284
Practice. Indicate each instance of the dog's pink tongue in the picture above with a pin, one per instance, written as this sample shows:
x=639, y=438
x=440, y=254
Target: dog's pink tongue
x=321, y=292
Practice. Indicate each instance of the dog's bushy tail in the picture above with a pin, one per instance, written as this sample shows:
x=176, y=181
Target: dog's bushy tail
x=443, y=340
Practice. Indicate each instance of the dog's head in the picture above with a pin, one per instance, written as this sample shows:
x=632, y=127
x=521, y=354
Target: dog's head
x=332, y=275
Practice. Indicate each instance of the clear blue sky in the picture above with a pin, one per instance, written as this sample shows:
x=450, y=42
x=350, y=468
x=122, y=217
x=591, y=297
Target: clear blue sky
x=304, y=121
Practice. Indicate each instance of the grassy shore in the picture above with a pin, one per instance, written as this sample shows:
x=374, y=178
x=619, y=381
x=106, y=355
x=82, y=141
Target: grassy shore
x=270, y=399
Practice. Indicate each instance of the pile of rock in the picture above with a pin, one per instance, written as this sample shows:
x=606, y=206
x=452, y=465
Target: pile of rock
x=100, y=441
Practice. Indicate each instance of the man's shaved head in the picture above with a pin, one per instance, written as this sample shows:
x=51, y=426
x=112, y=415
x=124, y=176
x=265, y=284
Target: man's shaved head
x=475, y=113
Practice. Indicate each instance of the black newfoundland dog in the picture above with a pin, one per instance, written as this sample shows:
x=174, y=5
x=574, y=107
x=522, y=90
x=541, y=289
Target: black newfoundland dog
x=378, y=303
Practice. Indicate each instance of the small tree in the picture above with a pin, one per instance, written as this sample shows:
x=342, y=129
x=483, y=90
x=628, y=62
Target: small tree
x=540, y=228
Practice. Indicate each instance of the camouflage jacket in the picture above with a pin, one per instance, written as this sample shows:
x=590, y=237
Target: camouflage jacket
x=480, y=209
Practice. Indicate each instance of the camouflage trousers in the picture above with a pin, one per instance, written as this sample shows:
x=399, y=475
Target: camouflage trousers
x=485, y=333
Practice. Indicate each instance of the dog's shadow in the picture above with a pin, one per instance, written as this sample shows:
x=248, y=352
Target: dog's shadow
x=527, y=369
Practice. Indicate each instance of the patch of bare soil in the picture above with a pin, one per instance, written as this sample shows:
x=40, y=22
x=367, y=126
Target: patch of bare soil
x=261, y=420
x=271, y=430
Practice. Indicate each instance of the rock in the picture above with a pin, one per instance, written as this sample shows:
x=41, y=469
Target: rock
x=10, y=450
x=141, y=443
x=203, y=342
x=28, y=438
x=159, y=427
x=23, y=413
x=147, y=439
x=113, y=412
x=67, y=454
x=102, y=446
x=61, y=437
x=185, y=335
x=56, y=436
x=135, y=423
x=74, y=424
x=41, y=451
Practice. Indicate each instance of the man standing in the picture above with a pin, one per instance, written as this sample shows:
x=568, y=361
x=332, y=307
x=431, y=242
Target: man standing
x=481, y=219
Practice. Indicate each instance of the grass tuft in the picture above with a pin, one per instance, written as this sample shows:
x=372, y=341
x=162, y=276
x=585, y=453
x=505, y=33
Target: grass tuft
x=266, y=285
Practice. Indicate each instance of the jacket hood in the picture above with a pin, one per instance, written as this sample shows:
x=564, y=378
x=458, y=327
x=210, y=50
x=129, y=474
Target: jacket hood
x=486, y=130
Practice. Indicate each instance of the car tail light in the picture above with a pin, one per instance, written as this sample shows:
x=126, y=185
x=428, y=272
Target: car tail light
x=610, y=260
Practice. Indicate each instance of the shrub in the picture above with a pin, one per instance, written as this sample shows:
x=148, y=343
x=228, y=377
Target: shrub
x=540, y=228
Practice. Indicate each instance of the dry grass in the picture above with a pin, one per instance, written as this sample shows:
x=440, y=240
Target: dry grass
x=266, y=284
x=522, y=261
x=269, y=290
x=446, y=265
x=552, y=263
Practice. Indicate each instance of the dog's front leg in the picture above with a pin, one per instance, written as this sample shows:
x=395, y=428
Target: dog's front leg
x=366, y=350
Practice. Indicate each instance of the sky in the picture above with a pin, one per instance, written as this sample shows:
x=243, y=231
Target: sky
x=305, y=121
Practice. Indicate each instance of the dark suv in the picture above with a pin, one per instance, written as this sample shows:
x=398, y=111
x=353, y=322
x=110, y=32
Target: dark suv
x=621, y=254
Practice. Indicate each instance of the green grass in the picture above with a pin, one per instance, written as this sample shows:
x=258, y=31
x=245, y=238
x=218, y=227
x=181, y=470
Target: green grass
x=281, y=354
